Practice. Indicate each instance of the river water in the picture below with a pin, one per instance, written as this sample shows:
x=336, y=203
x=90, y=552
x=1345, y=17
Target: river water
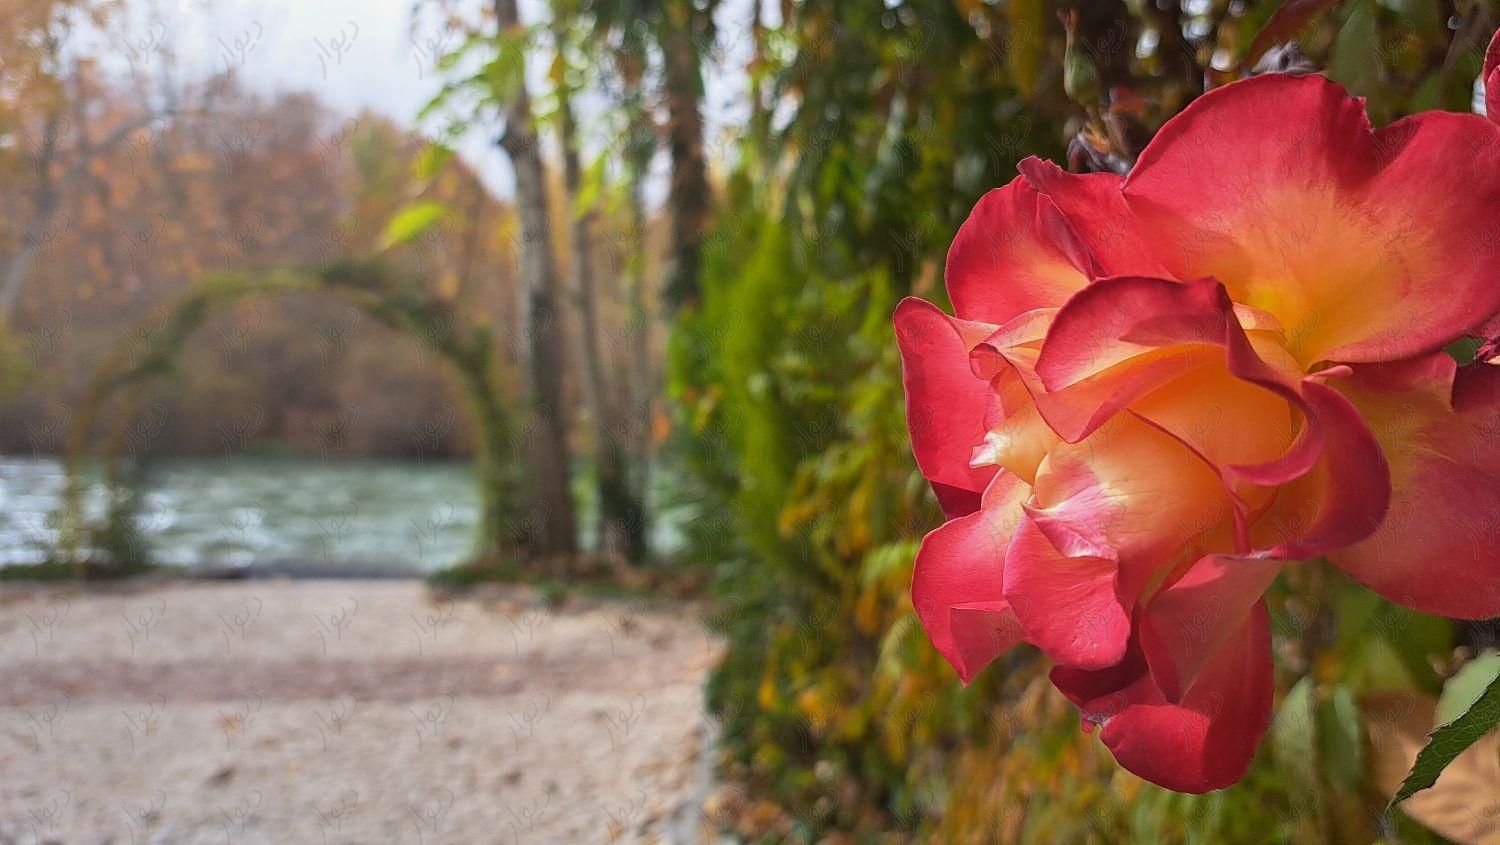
x=250, y=512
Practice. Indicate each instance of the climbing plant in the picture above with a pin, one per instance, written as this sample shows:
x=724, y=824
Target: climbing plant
x=395, y=301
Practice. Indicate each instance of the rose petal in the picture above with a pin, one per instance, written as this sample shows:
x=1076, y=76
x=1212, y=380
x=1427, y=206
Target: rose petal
x=1438, y=547
x=982, y=631
x=1018, y=435
x=1184, y=625
x=1133, y=494
x=1067, y=605
x=1203, y=742
x=1013, y=254
x=1125, y=337
x=1128, y=338
x=1359, y=244
x=1097, y=212
x=1341, y=499
x=1122, y=319
x=1226, y=419
x=945, y=401
x=957, y=581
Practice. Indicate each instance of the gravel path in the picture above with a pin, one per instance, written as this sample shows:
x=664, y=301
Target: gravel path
x=347, y=711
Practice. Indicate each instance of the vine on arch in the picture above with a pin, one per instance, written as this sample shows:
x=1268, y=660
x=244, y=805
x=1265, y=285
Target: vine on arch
x=152, y=349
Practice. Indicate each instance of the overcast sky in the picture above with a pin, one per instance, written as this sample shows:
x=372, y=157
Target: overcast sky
x=353, y=54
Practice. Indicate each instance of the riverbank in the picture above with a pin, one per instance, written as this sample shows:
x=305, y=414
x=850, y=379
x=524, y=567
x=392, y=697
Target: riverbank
x=347, y=710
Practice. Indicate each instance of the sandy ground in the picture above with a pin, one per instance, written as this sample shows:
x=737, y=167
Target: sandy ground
x=347, y=711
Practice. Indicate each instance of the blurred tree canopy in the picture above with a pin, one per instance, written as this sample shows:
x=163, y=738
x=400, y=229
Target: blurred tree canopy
x=235, y=181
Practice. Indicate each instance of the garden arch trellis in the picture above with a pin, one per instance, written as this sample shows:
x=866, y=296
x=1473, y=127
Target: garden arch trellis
x=375, y=290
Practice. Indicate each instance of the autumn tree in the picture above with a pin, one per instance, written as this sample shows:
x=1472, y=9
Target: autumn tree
x=41, y=122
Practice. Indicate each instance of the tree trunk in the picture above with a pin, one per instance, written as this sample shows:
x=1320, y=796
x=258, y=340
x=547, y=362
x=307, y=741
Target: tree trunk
x=551, y=534
x=688, y=201
x=644, y=386
x=45, y=203
x=621, y=514
x=15, y=278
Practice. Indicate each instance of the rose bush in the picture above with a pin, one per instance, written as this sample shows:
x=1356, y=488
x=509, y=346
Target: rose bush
x=1160, y=389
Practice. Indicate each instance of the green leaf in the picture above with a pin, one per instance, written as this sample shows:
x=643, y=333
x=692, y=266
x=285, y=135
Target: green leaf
x=1382, y=645
x=432, y=160
x=1464, y=688
x=1341, y=738
x=591, y=188
x=883, y=561
x=1293, y=732
x=1027, y=33
x=502, y=76
x=1464, y=350
x=889, y=661
x=504, y=73
x=1287, y=21
x=1429, y=93
x=1351, y=63
x=438, y=102
x=451, y=59
x=412, y=221
x=1450, y=740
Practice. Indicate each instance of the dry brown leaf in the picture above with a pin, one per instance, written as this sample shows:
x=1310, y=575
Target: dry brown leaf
x=1464, y=804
